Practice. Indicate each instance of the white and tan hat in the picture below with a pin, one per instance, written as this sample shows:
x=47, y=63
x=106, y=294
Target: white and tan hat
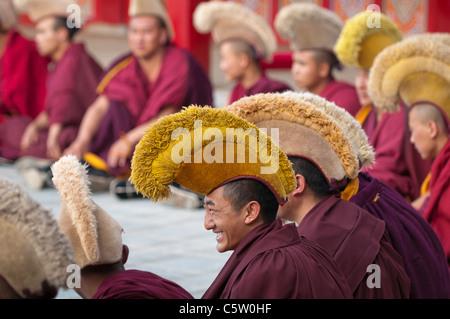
x=228, y=20
x=34, y=253
x=39, y=9
x=153, y=8
x=308, y=26
x=95, y=236
x=304, y=131
x=413, y=70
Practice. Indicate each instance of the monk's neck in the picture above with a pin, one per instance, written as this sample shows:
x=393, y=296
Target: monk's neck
x=250, y=78
x=440, y=144
x=152, y=65
x=319, y=86
x=60, y=51
x=305, y=206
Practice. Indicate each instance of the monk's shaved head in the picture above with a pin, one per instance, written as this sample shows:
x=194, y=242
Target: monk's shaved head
x=425, y=112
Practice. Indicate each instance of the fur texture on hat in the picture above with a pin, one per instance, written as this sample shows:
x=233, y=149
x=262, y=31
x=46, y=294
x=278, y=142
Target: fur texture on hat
x=39, y=9
x=305, y=131
x=415, y=69
x=153, y=8
x=348, y=124
x=8, y=14
x=154, y=167
x=95, y=236
x=358, y=44
x=35, y=254
x=308, y=26
x=228, y=20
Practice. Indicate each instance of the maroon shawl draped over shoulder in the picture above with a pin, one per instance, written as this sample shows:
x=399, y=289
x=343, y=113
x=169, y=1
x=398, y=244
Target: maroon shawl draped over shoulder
x=70, y=91
x=264, y=85
x=137, y=284
x=343, y=95
x=355, y=239
x=274, y=262
x=437, y=207
x=411, y=236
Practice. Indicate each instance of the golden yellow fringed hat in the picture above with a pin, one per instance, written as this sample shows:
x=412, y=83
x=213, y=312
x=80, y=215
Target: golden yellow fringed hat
x=228, y=20
x=95, y=236
x=202, y=148
x=308, y=26
x=364, y=36
x=34, y=253
x=416, y=69
x=304, y=130
x=153, y=8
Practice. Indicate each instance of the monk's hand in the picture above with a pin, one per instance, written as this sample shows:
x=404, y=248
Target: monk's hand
x=119, y=152
x=29, y=137
x=77, y=149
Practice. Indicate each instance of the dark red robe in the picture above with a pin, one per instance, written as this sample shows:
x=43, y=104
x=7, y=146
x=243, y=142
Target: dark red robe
x=356, y=239
x=264, y=85
x=134, y=100
x=397, y=163
x=437, y=208
x=23, y=74
x=137, y=284
x=411, y=236
x=70, y=91
x=342, y=94
x=274, y=262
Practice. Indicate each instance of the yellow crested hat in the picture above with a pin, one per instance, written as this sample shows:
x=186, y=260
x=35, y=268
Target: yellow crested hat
x=228, y=20
x=95, y=236
x=34, y=253
x=415, y=69
x=203, y=148
x=304, y=131
x=154, y=8
x=364, y=36
x=308, y=26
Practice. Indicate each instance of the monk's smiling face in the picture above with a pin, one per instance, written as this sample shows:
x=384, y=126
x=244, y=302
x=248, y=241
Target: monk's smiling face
x=227, y=224
x=146, y=36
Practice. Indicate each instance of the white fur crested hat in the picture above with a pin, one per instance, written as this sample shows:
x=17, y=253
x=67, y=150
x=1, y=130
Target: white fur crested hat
x=95, y=236
x=34, y=253
x=308, y=26
x=415, y=69
x=304, y=130
x=228, y=20
x=39, y=9
x=153, y=8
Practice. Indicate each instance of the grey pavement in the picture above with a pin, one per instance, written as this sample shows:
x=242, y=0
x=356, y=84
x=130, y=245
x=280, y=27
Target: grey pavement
x=170, y=242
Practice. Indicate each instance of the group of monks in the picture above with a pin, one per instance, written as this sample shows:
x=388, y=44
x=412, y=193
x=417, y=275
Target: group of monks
x=359, y=206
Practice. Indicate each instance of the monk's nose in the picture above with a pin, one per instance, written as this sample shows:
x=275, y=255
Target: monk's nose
x=208, y=221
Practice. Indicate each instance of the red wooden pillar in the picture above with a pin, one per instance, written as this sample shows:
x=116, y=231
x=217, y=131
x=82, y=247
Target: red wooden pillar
x=185, y=34
x=438, y=16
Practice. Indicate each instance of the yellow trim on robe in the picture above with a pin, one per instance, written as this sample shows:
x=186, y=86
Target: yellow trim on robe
x=363, y=113
x=425, y=185
x=351, y=189
x=112, y=73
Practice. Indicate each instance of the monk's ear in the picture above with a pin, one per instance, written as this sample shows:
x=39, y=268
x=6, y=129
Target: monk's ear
x=164, y=37
x=300, y=186
x=252, y=210
x=324, y=69
x=433, y=129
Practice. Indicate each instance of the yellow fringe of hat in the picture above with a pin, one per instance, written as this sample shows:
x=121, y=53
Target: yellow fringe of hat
x=228, y=20
x=34, y=253
x=308, y=26
x=305, y=131
x=361, y=39
x=348, y=124
x=154, y=8
x=416, y=69
x=95, y=236
x=154, y=167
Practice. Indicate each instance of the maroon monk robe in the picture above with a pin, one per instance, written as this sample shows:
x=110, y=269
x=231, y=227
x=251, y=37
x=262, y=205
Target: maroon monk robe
x=356, y=239
x=137, y=284
x=23, y=74
x=134, y=100
x=437, y=207
x=411, y=236
x=397, y=163
x=264, y=85
x=70, y=91
x=274, y=262
x=342, y=94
